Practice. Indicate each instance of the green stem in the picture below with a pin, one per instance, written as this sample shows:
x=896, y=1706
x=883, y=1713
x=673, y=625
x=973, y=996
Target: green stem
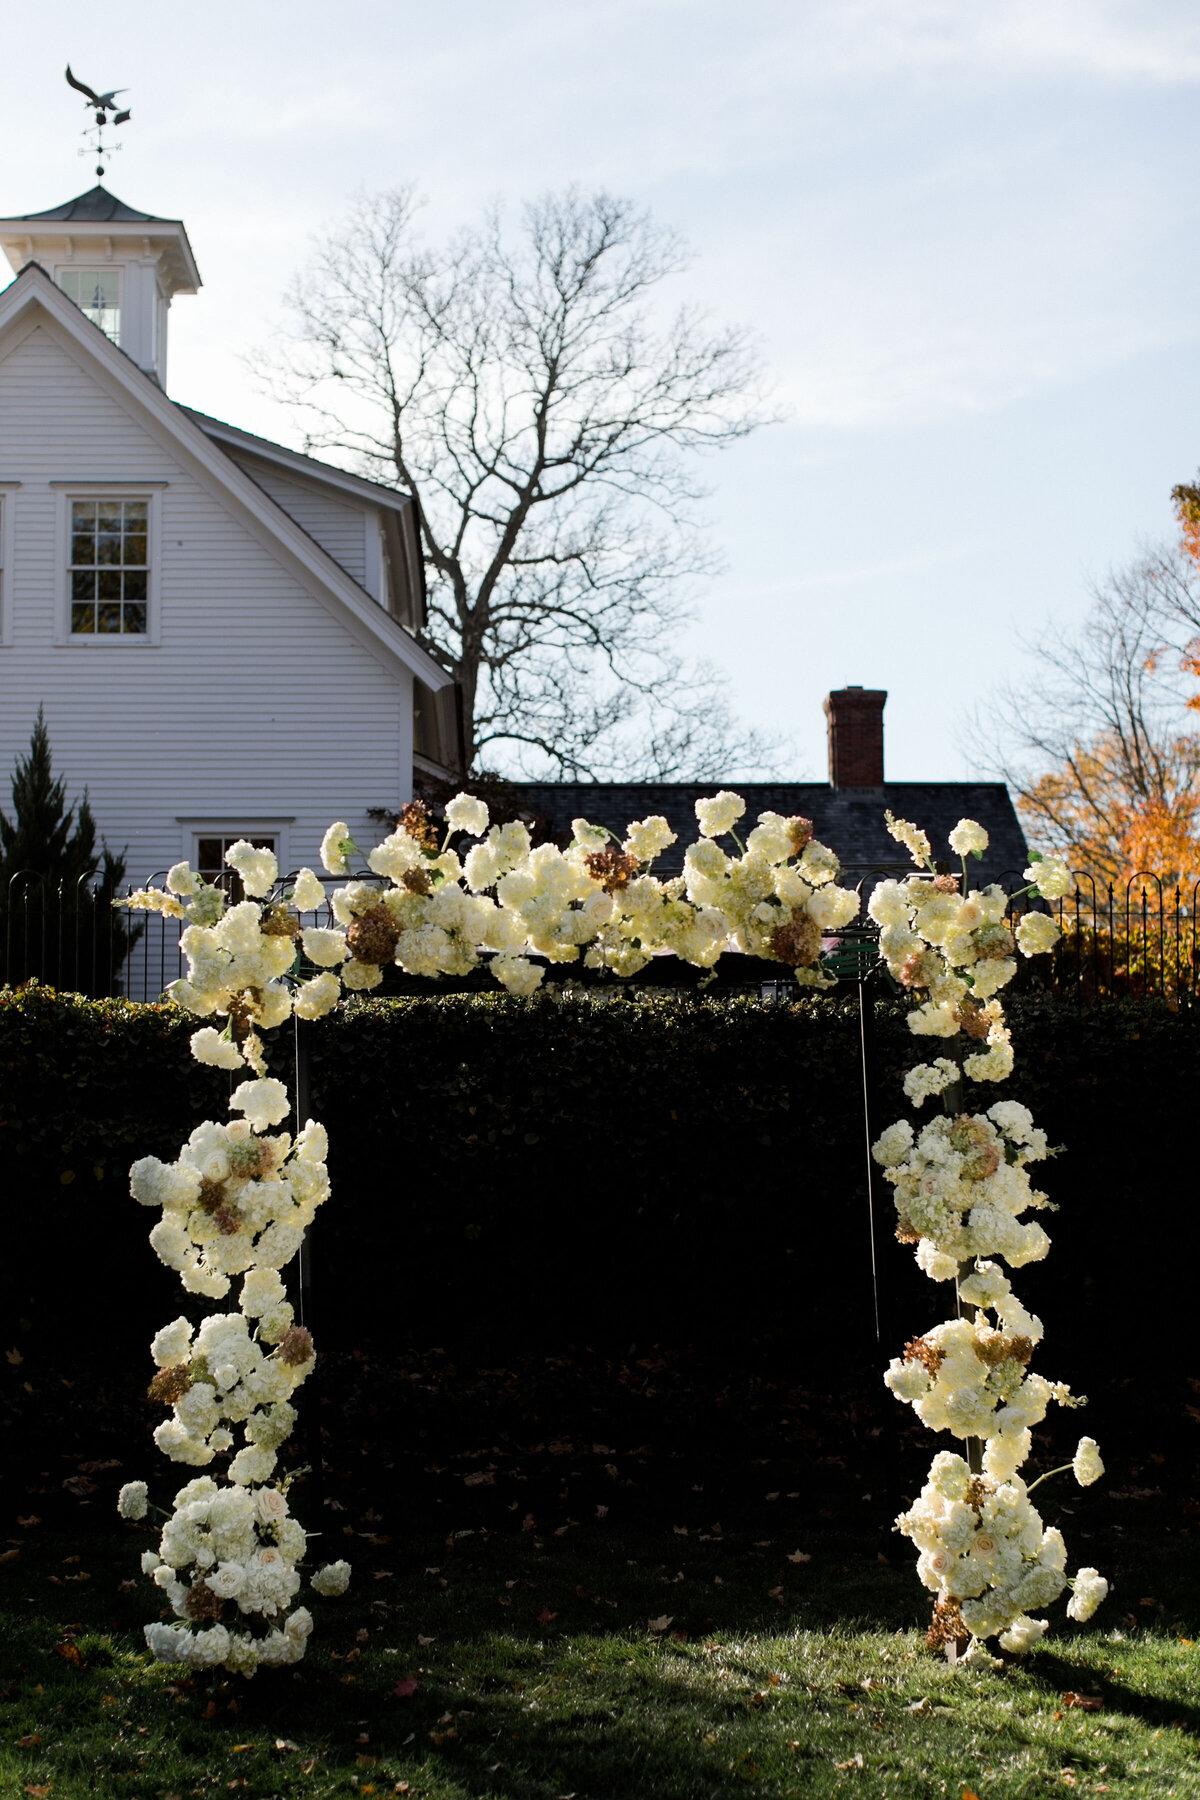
x=1049, y=1472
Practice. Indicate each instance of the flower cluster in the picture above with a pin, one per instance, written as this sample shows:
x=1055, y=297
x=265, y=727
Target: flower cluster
x=422, y=906
x=227, y=1559
x=236, y=1203
x=962, y=1187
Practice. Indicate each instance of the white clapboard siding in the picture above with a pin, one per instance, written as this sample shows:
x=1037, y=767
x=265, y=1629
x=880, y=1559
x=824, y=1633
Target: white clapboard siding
x=258, y=704
x=337, y=525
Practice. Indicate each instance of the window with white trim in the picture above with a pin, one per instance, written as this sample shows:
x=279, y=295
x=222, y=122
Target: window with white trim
x=109, y=568
x=210, y=857
x=97, y=294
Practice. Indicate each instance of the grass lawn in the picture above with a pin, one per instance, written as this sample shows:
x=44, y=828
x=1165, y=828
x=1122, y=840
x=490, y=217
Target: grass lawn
x=565, y=1617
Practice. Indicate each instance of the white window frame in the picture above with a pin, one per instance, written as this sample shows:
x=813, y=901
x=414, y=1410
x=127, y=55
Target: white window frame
x=69, y=491
x=99, y=267
x=232, y=826
x=7, y=497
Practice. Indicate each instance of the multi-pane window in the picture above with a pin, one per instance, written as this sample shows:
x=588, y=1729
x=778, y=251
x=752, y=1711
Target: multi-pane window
x=97, y=293
x=210, y=860
x=109, y=569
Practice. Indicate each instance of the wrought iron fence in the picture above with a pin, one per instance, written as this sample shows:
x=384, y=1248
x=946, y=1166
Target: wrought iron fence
x=1139, y=940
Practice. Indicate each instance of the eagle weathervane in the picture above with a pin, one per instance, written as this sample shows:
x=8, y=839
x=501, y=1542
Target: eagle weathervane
x=100, y=105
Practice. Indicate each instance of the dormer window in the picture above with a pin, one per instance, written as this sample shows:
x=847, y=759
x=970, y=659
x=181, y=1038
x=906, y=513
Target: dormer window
x=97, y=294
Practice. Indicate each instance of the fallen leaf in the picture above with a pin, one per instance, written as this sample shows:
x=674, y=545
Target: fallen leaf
x=662, y=1623
x=97, y=1468
x=80, y=1486
x=855, y=1762
x=29, y=1741
x=38, y=1792
x=9, y=1555
x=31, y=1520
x=602, y=1512
x=363, y=1761
x=776, y=1593
x=775, y=1496
x=439, y=1737
x=546, y=1617
x=404, y=1688
x=1081, y=1702
x=423, y=1640
x=234, y=1748
x=285, y=1744
x=14, y=1357
x=799, y=1556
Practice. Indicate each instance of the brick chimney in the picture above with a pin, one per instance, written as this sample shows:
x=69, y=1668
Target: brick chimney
x=855, y=717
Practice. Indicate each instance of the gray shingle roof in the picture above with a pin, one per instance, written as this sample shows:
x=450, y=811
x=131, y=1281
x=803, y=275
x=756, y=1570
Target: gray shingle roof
x=98, y=206
x=849, y=820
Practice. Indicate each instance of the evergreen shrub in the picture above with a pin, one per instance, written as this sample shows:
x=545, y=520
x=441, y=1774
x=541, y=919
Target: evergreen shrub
x=514, y=1176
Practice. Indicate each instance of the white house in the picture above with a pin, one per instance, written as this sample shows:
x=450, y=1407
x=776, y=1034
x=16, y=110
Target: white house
x=221, y=631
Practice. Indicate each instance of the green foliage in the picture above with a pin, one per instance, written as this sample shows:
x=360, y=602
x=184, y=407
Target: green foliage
x=514, y=1176
x=46, y=835
x=56, y=886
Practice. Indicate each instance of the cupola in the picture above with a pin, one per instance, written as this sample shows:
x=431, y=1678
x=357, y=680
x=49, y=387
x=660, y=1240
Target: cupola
x=121, y=267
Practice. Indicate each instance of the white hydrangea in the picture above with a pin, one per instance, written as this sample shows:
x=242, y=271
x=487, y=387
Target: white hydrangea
x=1037, y=933
x=1086, y=1462
x=308, y=895
x=210, y=1046
x=132, y=1500
x=258, y=869
x=323, y=946
x=332, y=1580
x=336, y=847
x=968, y=838
x=925, y=1080
x=517, y=974
x=1089, y=1589
x=648, y=838
x=264, y=1102
x=181, y=879
x=466, y=813
x=1051, y=877
x=720, y=814
x=317, y=997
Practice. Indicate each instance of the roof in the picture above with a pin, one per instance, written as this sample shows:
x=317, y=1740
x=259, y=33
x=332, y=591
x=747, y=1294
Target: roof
x=326, y=473
x=849, y=820
x=97, y=205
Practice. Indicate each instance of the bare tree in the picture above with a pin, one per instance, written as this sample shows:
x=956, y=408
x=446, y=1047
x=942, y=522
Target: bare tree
x=527, y=390
x=1097, y=744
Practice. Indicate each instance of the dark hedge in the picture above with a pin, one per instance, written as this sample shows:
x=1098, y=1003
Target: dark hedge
x=511, y=1177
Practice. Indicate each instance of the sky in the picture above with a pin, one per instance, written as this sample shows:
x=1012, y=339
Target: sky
x=964, y=236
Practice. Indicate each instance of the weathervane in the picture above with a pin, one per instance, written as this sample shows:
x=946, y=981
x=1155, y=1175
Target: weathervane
x=103, y=105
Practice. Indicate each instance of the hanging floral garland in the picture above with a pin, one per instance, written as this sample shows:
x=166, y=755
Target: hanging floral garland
x=239, y=1198
x=962, y=1188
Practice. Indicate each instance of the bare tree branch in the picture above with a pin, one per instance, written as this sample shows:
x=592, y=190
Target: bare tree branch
x=1097, y=744
x=526, y=389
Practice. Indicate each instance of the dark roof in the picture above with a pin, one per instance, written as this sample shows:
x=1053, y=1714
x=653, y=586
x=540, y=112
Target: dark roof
x=96, y=205
x=849, y=821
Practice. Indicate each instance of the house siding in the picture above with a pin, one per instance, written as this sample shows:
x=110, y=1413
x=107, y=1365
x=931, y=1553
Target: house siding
x=338, y=526
x=257, y=703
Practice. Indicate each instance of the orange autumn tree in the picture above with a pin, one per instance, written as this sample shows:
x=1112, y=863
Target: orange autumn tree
x=1106, y=762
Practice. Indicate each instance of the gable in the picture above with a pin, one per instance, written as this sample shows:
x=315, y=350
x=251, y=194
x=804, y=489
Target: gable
x=33, y=301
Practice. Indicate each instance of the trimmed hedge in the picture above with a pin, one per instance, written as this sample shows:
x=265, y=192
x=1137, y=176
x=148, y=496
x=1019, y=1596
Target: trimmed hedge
x=514, y=1176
